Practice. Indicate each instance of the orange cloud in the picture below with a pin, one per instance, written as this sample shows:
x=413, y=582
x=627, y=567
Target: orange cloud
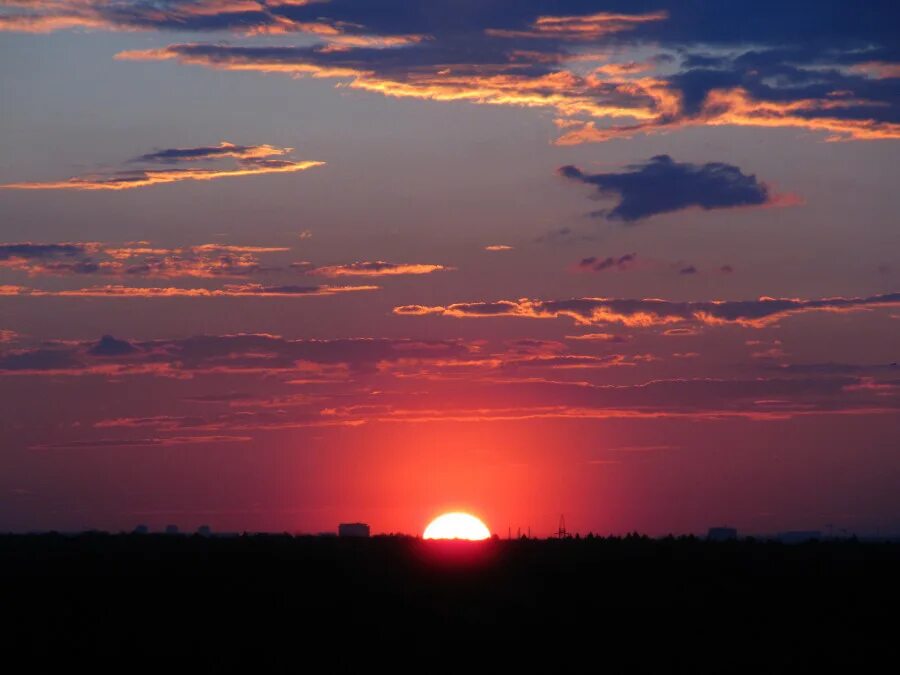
x=598, y=337
x=877, y=69
x=251, y=16
x=377, y=268
x=737, y=107
x=650, y=312
x=514, y=65
x=128, y=180
x=565, y=91
x=588, y=27
x=611, y=90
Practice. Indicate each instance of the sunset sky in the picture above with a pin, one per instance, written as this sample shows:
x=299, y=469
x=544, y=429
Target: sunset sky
x=280, y=264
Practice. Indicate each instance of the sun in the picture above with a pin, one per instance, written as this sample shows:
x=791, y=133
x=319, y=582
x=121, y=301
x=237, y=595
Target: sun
x=457, y=526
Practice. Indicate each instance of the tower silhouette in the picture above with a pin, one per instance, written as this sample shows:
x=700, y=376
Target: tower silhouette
x=562, y=533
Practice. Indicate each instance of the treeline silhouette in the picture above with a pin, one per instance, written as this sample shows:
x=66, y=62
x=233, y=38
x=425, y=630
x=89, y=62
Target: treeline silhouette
x=273, y=603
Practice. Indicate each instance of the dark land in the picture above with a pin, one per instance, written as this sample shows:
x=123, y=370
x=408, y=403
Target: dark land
x=267, y=603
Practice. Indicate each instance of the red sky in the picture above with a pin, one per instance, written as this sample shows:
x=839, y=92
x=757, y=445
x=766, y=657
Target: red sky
x=274, y=266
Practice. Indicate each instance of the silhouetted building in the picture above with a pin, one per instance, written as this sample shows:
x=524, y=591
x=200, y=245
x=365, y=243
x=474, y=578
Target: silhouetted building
x=353, y=530
x=204, y=531
x=799, y=536
x=171, y=529
x=721, y=534
x=141, y=529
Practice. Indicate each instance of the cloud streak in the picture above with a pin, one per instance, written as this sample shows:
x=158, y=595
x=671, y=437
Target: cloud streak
x=251, y=161
x=707, y=399
x=651, y=312
x=134, y=259
x=377, y=268
x=224, y=149
x=236, y=353
x=227, y=291
x=156, y=441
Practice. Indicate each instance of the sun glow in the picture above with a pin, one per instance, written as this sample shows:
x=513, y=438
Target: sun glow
x=457, y=526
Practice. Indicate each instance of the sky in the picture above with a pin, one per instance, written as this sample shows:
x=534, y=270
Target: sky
x=279, y=264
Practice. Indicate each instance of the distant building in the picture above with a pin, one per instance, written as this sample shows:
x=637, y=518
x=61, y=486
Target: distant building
x=171, y=529
x=141, y=529
x=799, y=536
x=353, y=530
x=204, y=531
x=721, y=534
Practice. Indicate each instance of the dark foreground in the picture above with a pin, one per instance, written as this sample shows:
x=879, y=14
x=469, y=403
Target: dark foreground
x=262, y=604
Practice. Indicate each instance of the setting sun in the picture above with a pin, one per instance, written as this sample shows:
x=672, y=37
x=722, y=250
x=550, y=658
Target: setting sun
x=457, y=526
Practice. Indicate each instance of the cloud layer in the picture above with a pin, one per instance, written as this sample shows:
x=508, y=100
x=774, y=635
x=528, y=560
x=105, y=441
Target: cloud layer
x=607, y=68
x=134, y=259
x=226, y=291
x=650, y=312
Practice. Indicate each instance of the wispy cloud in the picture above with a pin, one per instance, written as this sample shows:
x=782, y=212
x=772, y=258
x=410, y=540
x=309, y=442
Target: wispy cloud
x=760, y=399
x=251, y=160
x=585, y=27
x=377, y=268
x=155, y=441
x=229, y=290
x=235, y=353
x=134, y=259
x=650, y=312
x=224, y=149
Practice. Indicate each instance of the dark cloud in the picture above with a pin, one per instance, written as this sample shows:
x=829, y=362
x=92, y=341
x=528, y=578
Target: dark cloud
x=224, y=149
x=620, y=263
x=688, y=270
x=110, y=346
x=38, y=360
x=766, y=22
x=30, y=251
x=224, y=353
x=661, y=185
x=822, y=66
x=135, y=259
